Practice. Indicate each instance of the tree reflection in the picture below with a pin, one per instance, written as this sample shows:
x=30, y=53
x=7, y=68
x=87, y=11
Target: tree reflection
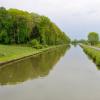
x=30, y=68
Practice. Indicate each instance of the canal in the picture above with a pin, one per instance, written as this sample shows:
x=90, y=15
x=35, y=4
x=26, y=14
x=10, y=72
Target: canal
x=59, y=74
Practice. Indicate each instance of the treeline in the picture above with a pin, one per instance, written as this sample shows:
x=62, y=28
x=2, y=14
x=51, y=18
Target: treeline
x=17, y=26
x=93, y=38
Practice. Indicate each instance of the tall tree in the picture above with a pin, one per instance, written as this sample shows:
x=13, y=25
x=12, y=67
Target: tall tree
x=17, y=26
x=93, y=38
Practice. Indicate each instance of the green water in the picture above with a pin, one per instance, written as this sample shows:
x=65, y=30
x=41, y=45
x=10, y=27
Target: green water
x=31, y=68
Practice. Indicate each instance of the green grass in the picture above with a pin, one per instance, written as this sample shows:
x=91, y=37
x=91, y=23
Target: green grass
x=13, y=52
x=92, y=53
x=98, y=45
x=9, y=52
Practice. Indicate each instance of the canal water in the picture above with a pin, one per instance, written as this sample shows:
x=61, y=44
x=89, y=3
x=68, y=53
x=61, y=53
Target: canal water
x=58, y=74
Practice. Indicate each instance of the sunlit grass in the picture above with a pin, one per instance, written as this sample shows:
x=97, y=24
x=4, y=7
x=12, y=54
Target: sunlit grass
x=13, y=52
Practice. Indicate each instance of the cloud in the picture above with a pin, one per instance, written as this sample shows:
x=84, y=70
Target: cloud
x=73, y=16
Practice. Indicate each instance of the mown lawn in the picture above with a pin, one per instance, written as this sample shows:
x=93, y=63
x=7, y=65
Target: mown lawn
x=9, y=52
x=13, y=52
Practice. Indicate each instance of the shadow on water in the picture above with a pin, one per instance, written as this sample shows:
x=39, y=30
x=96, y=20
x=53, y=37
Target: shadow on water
x=91, y=58
x=31, y=68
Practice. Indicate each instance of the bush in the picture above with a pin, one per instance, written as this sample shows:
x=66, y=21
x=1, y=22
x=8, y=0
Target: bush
x=36, y=44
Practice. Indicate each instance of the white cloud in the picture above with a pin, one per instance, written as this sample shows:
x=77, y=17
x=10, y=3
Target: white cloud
x=73, y=16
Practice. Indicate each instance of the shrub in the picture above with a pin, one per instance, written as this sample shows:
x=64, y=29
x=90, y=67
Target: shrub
x=36, y=44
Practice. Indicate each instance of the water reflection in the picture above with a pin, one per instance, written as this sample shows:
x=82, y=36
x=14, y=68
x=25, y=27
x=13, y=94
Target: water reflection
x=30, y=68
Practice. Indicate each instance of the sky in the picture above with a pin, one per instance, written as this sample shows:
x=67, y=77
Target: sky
x=74, y=17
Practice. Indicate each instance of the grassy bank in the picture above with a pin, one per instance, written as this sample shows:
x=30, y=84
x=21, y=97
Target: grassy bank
x=97, y=45
x=14, y=52
x=92, y=53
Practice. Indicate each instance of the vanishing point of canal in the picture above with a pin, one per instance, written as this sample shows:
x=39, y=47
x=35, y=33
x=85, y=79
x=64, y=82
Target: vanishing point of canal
x=59, y=74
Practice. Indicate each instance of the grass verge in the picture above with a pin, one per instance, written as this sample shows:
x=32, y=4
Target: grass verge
x=92, y=53
x=97, y=45
x=10, y=53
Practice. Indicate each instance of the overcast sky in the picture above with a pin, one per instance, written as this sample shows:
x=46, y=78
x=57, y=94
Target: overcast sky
x=75, y=17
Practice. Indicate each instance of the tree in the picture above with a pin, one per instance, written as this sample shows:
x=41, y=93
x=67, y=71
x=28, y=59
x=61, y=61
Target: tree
x=93, y=38
x=17, y=26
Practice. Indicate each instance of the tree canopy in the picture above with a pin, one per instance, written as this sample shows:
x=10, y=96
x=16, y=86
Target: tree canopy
x=17, y=26
x=93, y=38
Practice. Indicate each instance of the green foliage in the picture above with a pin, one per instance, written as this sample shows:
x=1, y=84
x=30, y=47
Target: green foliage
x=79, y=41
x=36, y=44
x=4, y=38
x=22, y=25
x=50, y=34
x=17, y=26
x=93, y=38
x=83, y=41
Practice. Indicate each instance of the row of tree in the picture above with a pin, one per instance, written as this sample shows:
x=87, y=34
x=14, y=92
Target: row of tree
x=17, y=26
x=92, y=39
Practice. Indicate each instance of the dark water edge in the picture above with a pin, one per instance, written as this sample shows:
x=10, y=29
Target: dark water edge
x=31, y=67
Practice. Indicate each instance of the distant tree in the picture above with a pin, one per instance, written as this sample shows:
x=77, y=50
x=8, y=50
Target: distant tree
x=93, y=38
x=83, y=41
x=2, y=8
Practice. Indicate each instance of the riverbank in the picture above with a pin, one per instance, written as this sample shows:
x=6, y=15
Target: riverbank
x=93, y=53
x=10, y=53
x=98, y=45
